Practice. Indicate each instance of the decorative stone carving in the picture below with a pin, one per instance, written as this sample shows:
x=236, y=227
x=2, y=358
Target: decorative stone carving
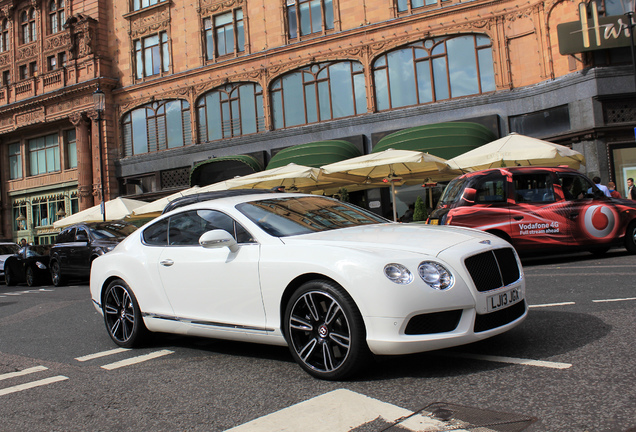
x=82, y=35
x=209, y=7
x=27, y=52
x=157, y=20
x=58, y=42
x=30, y=117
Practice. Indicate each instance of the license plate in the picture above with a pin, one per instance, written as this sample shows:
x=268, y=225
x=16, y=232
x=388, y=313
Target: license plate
x=504, y=299
x=434, y=222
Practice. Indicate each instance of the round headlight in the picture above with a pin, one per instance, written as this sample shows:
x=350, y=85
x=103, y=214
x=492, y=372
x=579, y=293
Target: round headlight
x=435, y=275
x=398, y=273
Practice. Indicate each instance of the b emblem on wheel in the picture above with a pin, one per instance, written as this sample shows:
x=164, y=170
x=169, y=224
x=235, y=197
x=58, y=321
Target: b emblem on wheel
x=323, y=331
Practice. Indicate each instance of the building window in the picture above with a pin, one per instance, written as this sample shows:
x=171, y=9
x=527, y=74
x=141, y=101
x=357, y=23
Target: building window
x=157, y=126
x=15, y=161
x=307, y=17
x=140, y=4
x=152, y=56
x=231, y=110
x=56, y=16
x=43, y=211
x=226, y=36
x=4, y=35
x=51, y=63
x=23, y=71
x=28, y=28
x=44, y=155
x=6, y=78
x=434, y=70
x=317, y=93
x=71, y=148
x=409, y=5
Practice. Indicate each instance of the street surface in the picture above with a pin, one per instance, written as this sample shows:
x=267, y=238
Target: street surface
x=569, y=367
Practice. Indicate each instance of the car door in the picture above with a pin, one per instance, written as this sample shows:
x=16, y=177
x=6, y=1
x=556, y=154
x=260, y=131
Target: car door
x=538, y=215
x=80, y=254
x=211, y=287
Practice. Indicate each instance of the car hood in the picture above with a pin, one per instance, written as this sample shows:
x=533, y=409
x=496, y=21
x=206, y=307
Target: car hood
x=418, y=238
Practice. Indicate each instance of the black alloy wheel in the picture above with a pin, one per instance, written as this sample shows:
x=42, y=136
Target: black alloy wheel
x=122, y=315
x=30, y=277
x=8, y=277
x=630, y=237
x=56, y=274
x=325, y=331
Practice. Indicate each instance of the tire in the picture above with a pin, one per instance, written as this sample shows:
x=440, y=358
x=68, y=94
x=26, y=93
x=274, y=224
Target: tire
x=122, y=315
x=325, y=331
x=56, y=274
x=630, y=238
x=31, y=278
x=8, y=277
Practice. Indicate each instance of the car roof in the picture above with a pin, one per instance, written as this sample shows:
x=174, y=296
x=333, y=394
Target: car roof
x=208, y=196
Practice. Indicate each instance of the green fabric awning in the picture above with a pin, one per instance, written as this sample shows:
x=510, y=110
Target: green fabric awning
x=223, y=168
x=315, y=154
x=445, y=140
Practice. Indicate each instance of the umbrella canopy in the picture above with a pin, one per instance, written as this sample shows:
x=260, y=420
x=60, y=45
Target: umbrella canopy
x=117, y=208
x=157, y=206
x=515, y=150
x=390, y=165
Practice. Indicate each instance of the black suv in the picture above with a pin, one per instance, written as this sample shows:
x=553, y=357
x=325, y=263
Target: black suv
x=78, y=245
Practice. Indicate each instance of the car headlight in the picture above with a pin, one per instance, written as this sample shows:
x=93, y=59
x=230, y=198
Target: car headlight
x=40, y=265
x=435, y=275
x=398, y=273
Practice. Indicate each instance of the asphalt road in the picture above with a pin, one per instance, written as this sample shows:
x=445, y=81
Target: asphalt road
x=569, y=367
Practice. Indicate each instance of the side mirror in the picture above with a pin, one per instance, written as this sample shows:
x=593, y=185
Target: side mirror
x=218, y=238
x=469, y=195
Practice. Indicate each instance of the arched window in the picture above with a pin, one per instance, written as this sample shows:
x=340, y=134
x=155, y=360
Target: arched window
x=56, y=16
x=4, y=35
x=231, y=110
x=157, y=126
x=433, y=70
x=27, y=23
x=317, y=93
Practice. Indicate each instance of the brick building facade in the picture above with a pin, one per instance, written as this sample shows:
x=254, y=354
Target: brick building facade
x=188, y=82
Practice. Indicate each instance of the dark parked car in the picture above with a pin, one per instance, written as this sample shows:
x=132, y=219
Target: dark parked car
x=30, y=265
x=78, y=245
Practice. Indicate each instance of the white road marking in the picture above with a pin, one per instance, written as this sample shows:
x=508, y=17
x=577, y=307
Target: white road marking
x=551, y=305
x=338, y=411
x=513, y=360
x=135, y=360
x=614, y=300
x=22, y=372
x=32, y=384
x=101, y=354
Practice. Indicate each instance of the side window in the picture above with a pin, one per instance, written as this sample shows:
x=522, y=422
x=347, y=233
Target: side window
x=533, y=188
x=578, y=187
x=218, y=220
x=491, y=191
x=81, y=235
x=157, y=234
x=66, y=236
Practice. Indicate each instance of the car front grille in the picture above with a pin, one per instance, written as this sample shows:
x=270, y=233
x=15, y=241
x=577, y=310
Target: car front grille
x=493, y=269
x=431, y=323
x=499, y=318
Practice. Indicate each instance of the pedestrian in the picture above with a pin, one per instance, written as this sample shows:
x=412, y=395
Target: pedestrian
x=23, y=242
x=597, y=182
x=631, y=191
x=612, y=189
x=408, y=214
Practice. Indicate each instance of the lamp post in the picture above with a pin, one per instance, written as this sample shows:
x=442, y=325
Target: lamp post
x=628, y=6
x=99, y=103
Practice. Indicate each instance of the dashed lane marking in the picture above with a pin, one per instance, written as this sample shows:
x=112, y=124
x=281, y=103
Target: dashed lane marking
x=135, y=360
x=28, y=371
x=551, y=305
x=19, y=293
x=30, y=385
x=101, y=354
x=513, y=360
x=614, y=300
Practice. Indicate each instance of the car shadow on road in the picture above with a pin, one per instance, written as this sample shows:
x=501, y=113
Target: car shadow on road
x=547, y=259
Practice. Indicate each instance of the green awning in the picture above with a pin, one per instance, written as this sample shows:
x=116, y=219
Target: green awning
x=315, y=154
x=223, y=168
x=445, y=140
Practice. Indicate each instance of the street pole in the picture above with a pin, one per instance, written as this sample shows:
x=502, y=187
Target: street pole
x=630, y=17
x=99, y=102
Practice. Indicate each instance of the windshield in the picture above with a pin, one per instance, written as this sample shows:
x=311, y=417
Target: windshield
x=453, y=191
x=281, y=217
x=36, y=251
x=112, y=231
x=9, y=249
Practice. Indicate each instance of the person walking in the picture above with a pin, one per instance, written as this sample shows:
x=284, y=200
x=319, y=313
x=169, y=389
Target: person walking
x=631, y=191
x=597, y=182
x=612, y=189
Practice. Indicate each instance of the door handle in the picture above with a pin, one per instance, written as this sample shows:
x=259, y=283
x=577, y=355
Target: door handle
x=166, y=263
x=517, y=217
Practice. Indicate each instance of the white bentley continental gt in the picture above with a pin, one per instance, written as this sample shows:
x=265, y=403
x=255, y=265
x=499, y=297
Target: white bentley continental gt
x=332, y=281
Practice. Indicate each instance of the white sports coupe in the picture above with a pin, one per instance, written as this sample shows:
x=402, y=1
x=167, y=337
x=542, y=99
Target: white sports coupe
x=334, y=282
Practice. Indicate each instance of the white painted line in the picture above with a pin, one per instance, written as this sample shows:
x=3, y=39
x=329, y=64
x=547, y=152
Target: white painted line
x=135, y=360
x=338, y=411
x=513, y=360
x=22, y=372
x=552, y=305
x=32, y=384
x=614, y=300
x=101, y=354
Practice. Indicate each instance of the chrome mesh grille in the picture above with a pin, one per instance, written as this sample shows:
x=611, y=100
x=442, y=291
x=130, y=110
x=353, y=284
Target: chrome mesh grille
x=493, y=269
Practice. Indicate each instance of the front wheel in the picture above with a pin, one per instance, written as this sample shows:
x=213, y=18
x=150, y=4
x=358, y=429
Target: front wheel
x=31, y=279
x=122, y=315
x=630, y=237
x=325, y=331
x=56, y=274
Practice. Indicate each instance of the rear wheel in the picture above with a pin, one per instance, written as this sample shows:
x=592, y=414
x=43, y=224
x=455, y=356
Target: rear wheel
x=325, y=331
x=56, y=274
x=122, y=315
x=8, y=277
x=31, y=278
x=630, y=237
